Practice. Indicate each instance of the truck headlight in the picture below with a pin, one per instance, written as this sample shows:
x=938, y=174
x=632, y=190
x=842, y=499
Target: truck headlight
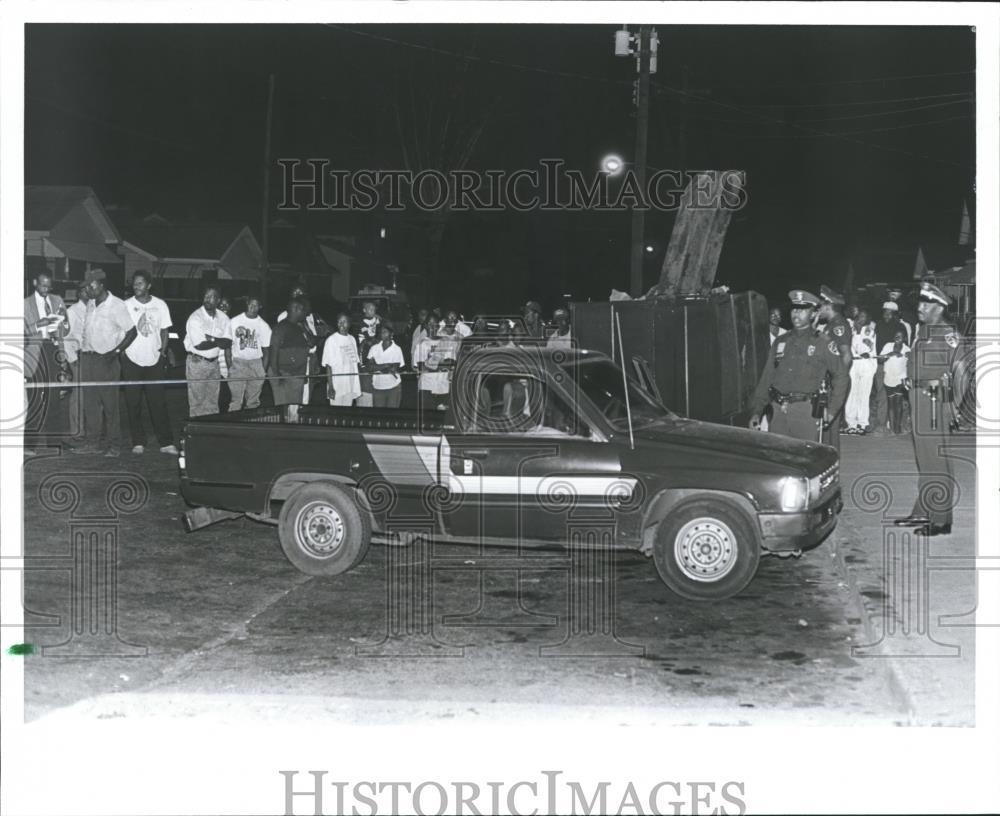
x=794, y=491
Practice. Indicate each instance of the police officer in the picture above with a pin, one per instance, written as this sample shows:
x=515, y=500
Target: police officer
x=935, y=375
x=796, y=368
x=838, y=334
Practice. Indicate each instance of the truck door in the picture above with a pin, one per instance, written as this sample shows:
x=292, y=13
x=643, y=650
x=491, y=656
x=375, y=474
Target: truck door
x=525, y=463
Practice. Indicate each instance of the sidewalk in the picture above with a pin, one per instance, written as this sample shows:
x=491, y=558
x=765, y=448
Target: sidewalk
x=919, y=594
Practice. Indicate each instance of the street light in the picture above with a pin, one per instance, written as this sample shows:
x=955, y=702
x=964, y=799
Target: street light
x=612, y=164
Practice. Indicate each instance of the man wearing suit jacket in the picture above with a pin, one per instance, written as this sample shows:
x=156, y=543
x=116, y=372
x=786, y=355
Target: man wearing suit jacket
x=45, y=326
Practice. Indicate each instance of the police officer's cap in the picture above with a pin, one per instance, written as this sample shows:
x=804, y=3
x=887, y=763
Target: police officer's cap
x=827, y=294
x=929, y=293
x=803, y=299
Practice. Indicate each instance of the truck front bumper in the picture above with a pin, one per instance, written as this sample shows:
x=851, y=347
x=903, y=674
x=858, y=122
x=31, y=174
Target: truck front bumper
x=785, y=532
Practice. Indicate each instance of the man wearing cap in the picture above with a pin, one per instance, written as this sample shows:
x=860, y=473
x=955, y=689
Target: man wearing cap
x=885, y=333
x=796, y=368
x=207, y=336
x=561, y=338
x=107, y=331
x=936, y=378
x=838, y=334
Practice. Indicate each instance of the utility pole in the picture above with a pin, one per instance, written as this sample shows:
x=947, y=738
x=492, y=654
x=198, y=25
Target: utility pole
x=641, y=133
x=265, y=207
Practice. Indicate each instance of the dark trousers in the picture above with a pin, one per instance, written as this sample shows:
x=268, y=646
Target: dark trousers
x=936, y=485
x=155, y=398
x=387, y=397
x=46, y=420
x=895, y=396
x=794, y=419
x=880, y=401
x=102, y=420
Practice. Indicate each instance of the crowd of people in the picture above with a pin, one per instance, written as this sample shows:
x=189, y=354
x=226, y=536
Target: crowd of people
x=232, y=362
x=878, y=352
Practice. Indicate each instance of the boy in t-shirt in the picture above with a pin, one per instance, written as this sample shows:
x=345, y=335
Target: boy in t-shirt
x=251, y=336
x=895, y=355
x=385, y=360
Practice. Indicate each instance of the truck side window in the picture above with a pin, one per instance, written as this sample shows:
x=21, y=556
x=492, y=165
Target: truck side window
x=515, y=404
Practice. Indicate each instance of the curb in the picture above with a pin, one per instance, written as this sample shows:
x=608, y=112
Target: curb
x=871, y=613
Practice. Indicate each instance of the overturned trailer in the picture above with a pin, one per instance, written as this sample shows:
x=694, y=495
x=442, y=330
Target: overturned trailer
x=704, y=353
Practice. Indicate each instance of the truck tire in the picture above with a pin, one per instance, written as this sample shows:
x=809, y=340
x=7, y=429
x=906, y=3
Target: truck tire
x=322, y=530
x=706, y=550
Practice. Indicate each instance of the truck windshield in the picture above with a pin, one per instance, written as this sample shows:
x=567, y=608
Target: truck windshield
x=601, y=381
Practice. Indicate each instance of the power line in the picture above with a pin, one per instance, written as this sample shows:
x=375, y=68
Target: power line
x=477, y=58
x=853, y=132
x=851, y=104
x=815, y=131
x=857, y=81
x=888, y=113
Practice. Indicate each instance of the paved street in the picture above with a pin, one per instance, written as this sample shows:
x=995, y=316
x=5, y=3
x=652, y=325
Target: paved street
x=453, y=631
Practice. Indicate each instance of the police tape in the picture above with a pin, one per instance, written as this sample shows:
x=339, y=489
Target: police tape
x=268, y=378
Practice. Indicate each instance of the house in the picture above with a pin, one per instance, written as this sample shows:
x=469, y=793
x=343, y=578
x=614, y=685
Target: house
x=184, y=258
x=67, y=231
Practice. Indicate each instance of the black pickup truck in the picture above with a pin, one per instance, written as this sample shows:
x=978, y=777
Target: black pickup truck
x=535, y=441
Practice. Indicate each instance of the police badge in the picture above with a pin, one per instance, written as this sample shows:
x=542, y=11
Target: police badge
x=811, y=350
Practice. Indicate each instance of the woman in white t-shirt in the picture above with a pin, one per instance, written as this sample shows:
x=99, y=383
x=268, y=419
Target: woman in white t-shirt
x=895, y=355
x=386, y=359
x=340, y=359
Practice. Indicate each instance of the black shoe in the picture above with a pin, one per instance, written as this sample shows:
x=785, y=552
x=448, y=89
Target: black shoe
x=933, y=530
x=911, y=521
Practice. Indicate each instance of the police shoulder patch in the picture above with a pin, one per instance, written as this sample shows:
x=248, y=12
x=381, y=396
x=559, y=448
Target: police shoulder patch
x=833, y=348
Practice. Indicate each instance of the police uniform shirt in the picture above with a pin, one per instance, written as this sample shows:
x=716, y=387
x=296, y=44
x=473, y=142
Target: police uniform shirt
x=934, y=351
x=839, y=331
x=797, y=363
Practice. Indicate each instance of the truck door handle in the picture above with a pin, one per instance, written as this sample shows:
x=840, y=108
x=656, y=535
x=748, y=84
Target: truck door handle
x=474, y=453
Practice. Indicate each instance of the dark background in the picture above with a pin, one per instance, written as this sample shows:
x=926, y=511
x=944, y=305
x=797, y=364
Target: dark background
x=853, y=139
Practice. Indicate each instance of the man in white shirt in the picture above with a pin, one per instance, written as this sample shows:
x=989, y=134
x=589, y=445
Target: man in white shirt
x=107, y=331
x=865, y=362
x=340, y=359
x=207, y=335
x=419, y=333
x=145, y=359
x=429, y=379
x=251, y=338
x=561, y=338
x=386, y=360
x=76, y=315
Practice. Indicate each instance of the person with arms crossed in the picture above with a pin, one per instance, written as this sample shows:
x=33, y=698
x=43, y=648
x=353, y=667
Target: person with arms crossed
x=207, y=336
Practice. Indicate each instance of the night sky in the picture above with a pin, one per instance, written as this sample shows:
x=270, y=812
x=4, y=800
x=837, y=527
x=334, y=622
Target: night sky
x=853, y=139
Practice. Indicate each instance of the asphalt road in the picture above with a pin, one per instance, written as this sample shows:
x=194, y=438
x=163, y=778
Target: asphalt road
x=420, y=629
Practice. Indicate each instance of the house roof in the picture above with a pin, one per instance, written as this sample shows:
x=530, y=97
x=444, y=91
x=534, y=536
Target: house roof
x=207, y=241
x=45, y=206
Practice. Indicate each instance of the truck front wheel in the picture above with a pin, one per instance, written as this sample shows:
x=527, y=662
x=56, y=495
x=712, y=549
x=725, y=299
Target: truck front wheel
x=706, y=550
x=322, y=530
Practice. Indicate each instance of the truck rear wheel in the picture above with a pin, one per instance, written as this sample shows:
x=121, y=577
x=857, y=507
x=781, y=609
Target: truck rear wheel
x=706, y=550
x=322, y=530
